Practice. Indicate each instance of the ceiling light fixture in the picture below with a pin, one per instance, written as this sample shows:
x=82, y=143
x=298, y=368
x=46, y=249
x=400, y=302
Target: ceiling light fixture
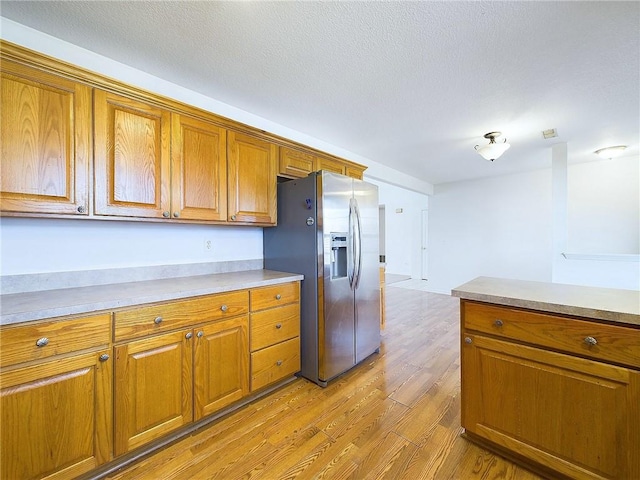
x=610, y=152
x=493, y=150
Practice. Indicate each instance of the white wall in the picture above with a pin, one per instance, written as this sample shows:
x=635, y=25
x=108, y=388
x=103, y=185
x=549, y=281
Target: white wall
x=31, y=245
x=403, y=238
x=502, y=227
x=604, y=206
x=603, y=224
x=498, y=227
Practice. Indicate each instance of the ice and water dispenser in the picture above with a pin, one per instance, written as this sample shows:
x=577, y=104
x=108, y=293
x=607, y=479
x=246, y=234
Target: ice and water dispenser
x=338, y=254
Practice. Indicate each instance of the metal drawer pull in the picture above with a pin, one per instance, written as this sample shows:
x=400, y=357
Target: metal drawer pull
x=279, y=362
x=467, y=340
x=224, y=308
x=158, y=320
x=104, y=357
x=498, y=322
x=188, y=335
x=278, y=325
x=42, y=342
x=590, y=341
x=200, y=334
x=278, y=297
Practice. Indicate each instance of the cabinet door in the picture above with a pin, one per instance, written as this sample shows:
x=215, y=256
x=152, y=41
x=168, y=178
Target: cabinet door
x=132, y=163
x=354, y=172
x=575, y=416
x=56, y=417
x=252, y=165
x=221, y=364
x=199, y=169
x=46, y=142
x=153, y=388
x=296, y=164
x=330, y=165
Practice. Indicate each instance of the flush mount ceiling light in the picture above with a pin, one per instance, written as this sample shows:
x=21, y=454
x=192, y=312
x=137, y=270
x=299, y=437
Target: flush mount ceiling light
x=493, y=150
x=610, y=152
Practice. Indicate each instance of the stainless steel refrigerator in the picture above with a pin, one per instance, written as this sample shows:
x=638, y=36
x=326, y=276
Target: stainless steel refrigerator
x=328, y=231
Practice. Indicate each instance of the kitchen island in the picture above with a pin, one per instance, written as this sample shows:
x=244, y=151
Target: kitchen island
x=551, y=375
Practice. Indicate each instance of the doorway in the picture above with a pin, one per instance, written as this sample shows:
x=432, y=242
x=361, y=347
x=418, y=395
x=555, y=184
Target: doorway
x=425, y=243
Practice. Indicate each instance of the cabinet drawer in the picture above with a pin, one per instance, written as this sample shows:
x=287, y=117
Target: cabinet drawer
x=275, y=363
x=275, y=325
x=612, y=342
x=20, y=342
x=273, y=296
x=163, y=317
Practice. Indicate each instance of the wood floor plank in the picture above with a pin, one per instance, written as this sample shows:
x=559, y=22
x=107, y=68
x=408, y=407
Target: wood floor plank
x=394, y=416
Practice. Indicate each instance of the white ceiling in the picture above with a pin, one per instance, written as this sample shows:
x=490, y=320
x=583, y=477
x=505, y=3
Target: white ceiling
x=411, y=85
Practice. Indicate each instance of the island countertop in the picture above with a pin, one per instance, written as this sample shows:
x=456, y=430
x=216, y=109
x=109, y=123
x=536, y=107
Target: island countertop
x=609, y=304
x=29, y=306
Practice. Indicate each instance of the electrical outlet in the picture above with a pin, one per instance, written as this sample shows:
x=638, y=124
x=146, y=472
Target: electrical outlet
x=208, y=245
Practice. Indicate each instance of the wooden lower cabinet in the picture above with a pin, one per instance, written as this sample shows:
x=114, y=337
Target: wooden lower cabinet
x=275, y=333
x=221, y=364
x=56, y=417
x=153, y=388
x=170, y=380
x=574, y=416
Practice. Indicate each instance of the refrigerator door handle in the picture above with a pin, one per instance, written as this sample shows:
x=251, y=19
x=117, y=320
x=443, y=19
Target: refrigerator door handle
x=358, y=242
x=351, y=247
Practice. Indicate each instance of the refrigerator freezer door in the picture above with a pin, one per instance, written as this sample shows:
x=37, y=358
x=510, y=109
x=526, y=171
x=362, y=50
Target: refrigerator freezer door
x=367, y=295
x=296, y=246
x=336, y=326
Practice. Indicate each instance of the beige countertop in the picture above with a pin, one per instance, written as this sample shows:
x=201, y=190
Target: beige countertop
x=622, y=306
x=29, y=306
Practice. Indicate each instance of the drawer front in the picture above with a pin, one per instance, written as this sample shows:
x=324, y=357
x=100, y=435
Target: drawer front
x=274, y=296
x=138, y=322
x=274, y=326
x=23, y=343
x=275, y=363
x=611, y=343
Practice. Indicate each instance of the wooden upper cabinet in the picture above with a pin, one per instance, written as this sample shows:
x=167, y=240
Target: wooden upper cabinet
x=296, y=164
x=354, y=171
x=132, y=157
x=252, y=172
x=330, y=165
x=45, y=142
x=199, y=169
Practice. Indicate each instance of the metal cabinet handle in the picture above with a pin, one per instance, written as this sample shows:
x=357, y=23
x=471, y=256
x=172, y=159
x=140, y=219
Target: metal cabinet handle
x=81, y=209
x=279, y=362
x=41, y=342
x=233, y=217
x=188, y=336
x=200, y=334
x=498, y=322
x=165, y=214
x=176, y=214
x=590, y=341
x=224, y=308
x=104, y=357
x=278, y=297
x=468, y=340
x=278, y=325
x=157, y=320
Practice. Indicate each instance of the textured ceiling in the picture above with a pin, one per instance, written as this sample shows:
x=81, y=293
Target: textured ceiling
x=411, y=85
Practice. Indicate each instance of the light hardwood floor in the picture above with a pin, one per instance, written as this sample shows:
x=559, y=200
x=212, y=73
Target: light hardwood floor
x=395, y=416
